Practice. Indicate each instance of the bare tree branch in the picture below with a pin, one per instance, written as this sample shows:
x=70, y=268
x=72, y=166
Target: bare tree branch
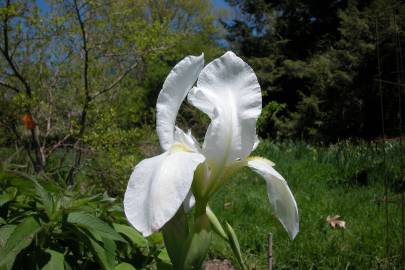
x=9, y=86
x=87, y=99
x=116, y=82
x=6, y=54
x=58, y=144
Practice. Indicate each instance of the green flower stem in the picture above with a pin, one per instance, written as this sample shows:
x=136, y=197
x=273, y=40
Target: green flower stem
x=199, y=239
x=176, y=233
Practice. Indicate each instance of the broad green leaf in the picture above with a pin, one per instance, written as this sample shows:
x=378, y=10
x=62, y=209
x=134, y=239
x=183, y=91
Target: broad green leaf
x=124, y=266
x=136, y=238
x=106, y=253
x=19, y=180
x=19, y=239
x=234, y=243
x=175, y=234
x=197, y=244
x=83, y=201
x=163, y=261
x=164, y=256
x=56, y=262
x=156, y=238
x=8, y=195
x=93, y=223
x=5, y=232
x=45, y=198
x=23, y=185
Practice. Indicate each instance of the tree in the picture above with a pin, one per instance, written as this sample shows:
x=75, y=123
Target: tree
x=84, y=73
x=317, y=60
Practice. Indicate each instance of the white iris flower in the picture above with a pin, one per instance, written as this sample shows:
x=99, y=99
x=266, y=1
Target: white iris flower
x=226, y=90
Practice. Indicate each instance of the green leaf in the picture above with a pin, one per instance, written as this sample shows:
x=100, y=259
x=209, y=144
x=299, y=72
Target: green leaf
x=93, y=223
x=234, y=243
x=198, y=242
x=19, y=239
x=105, y=253
x=8, y=195
x=5, y=232
x=45, y=198
x=228, y=234
x=175, y=234
x=124, y=266
x=133, y=235
x=164, y=256
x=83, y=201
x=56, y=262
x=156, y=238
x=216, y=225
x=163, y=261
x=23, y=184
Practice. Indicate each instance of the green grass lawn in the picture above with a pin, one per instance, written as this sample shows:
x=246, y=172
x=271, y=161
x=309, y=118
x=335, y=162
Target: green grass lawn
x=323, y=181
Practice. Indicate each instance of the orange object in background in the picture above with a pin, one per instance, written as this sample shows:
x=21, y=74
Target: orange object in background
x=28, y=121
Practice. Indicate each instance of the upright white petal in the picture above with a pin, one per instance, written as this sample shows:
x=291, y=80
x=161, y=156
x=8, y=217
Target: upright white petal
x=158, y=187
x=279, y=193
x=175, y=88
x=229, y=93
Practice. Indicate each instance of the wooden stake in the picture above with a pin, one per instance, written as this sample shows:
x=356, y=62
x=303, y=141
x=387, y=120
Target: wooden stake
x=270, y=252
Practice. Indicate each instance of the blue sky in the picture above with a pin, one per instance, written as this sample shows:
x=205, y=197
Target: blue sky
x=217, y=3
x=220, y=3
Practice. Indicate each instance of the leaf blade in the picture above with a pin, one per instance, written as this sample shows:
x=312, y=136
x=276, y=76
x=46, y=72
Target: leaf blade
x=19, y=239
x=56, y=262
x=93, y=223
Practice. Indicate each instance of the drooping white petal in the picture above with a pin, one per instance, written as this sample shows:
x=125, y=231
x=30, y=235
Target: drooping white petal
x=175, y=88
x=229, y=93
x=158, y=187
x=280, y=196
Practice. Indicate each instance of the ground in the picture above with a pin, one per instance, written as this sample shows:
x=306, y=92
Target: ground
x=216, y=264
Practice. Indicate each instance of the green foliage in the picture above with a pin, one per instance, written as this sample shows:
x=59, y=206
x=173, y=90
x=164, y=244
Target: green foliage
x=45, y=226
x=116, y=146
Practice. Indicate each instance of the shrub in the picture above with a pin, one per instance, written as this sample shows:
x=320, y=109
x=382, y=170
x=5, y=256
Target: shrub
x=46, y=226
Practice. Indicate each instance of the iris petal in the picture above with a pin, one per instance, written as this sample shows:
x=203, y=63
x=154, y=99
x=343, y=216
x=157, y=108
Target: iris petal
x=175, y=88
x=229, y=93
x=279, y=193
x=158, y=187
x=187, y=139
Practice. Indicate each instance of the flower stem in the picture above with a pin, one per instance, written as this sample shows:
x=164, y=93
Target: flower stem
x=199, y=239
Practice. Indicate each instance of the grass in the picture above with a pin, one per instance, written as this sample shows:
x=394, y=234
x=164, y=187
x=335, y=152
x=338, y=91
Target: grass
x=325, y=181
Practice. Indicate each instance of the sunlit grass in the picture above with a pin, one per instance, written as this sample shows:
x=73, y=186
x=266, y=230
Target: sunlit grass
x=325, y=181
